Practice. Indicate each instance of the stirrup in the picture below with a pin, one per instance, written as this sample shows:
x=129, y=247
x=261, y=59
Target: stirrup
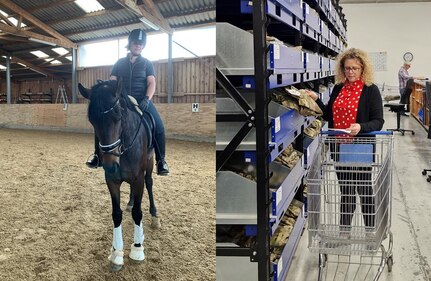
x=94, y=162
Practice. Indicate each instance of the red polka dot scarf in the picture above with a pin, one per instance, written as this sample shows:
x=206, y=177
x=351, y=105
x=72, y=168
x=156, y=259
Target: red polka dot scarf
x=345, y=107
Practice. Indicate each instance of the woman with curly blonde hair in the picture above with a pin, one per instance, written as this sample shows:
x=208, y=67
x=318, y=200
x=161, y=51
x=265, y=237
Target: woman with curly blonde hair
x=355, y=105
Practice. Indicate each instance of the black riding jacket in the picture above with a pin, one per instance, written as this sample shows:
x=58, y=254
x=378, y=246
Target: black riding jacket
x=134, y=76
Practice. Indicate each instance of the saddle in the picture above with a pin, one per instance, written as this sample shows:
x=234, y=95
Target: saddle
x=149, y=123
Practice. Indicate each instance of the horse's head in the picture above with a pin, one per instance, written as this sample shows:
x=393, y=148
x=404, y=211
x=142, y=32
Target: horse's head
x=104, y=113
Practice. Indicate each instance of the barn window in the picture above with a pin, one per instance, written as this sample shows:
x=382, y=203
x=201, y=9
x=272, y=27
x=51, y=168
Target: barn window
x=187, y=44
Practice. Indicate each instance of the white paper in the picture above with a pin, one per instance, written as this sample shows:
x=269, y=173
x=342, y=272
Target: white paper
x=276, y=51
x=277, y=124
x=294, y=92
x=340, y=130
x=279, y=195
x=279, y=267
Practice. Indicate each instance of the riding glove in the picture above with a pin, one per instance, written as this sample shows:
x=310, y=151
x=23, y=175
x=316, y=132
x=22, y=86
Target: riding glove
x=143, y=105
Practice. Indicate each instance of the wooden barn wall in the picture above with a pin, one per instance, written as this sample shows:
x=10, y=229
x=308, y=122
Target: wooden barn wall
x=31, y=91
x=194, y=81
x=179, y=120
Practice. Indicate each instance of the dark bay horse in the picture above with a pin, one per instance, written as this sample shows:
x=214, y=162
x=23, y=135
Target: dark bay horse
x=127, y=158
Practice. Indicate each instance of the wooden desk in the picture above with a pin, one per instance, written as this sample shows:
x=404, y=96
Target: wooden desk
x=419, y=107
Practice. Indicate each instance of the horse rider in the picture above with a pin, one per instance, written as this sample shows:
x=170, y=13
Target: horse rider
x=138, y=80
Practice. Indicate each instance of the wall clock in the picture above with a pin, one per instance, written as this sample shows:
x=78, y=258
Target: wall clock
x=408, y=57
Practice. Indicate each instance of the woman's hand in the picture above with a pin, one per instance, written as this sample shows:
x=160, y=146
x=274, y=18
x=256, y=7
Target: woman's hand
x=354, y=129
x=311, y=94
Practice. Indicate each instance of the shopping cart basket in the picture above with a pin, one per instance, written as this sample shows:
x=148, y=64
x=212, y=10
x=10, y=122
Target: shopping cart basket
x=349, y=197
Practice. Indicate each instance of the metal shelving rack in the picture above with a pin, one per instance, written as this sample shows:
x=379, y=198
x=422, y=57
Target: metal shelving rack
x=250, y=123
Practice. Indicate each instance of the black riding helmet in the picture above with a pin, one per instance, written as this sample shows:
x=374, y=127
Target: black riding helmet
x=137, y=35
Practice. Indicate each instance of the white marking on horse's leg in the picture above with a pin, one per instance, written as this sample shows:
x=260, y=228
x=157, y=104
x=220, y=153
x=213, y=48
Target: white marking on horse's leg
x=138, y=234
x=117, y=240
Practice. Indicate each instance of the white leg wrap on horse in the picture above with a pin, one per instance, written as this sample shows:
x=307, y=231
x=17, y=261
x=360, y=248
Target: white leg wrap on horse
x=137, y=253
x=116, y=257
x=117, y=240
x=138, y=234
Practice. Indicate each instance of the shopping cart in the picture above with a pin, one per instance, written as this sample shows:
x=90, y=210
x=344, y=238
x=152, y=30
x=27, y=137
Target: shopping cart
x=349, y=199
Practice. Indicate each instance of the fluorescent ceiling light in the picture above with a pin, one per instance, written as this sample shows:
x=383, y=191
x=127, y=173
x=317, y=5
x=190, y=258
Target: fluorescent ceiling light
x=42, y=41
x=38, y=72
x=2, y=67
x=22, y=64
x=39, y=54
x=89, y=6
x=149, y=23
x=60, y=50
x=56, y=62
x=69, y=58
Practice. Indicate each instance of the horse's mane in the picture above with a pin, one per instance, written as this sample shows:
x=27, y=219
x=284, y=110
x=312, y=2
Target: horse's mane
x=101, y=99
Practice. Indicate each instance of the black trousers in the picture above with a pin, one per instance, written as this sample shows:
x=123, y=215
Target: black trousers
x=352, y=180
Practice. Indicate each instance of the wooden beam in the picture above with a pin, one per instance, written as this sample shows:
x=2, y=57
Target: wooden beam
x=26, y=51
x=31, y=66
x=5, y=19
x=23, y=33
x=154, y=10
x=29, y=17
x=141, y=12
x=55, y=58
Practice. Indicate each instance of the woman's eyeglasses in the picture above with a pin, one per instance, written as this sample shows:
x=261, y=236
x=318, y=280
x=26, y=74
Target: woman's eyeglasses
x=353, y=69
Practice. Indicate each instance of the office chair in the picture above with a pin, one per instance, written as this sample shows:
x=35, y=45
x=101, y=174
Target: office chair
x=399, y=108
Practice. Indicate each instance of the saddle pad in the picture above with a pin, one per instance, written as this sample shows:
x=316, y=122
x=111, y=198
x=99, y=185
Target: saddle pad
x=356, y=153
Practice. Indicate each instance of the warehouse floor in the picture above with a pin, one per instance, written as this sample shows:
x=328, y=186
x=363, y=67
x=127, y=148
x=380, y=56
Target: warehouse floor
x=411, y=219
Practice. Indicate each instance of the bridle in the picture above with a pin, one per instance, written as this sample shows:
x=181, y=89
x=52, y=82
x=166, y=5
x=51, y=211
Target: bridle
x=109, y=148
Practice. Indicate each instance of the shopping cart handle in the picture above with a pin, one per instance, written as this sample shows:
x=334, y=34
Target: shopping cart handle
x=342, y=132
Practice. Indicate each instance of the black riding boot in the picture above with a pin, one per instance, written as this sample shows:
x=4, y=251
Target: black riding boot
x=162, y=166
x=95, y=160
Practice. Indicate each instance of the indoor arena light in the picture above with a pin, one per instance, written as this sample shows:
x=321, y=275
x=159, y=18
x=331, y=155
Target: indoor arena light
x=149, y=23
x=42, y=41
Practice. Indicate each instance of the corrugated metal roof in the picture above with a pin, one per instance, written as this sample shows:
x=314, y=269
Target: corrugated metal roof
x=71, y=21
